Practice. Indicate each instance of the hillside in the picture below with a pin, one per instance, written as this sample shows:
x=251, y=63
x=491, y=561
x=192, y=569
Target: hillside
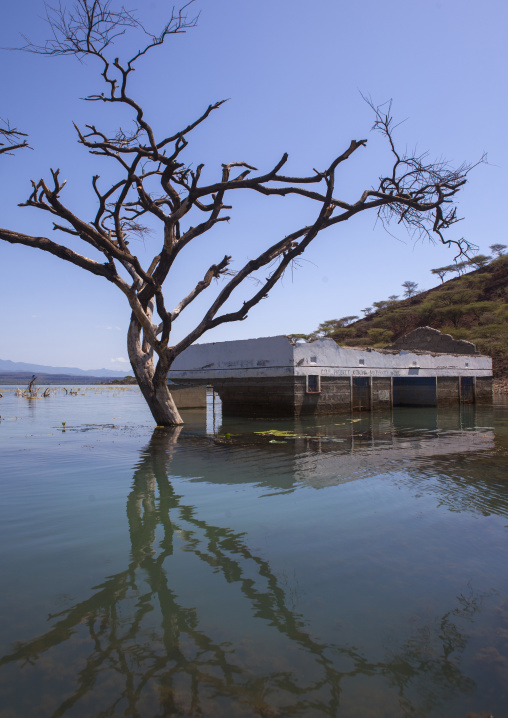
x=472, y=307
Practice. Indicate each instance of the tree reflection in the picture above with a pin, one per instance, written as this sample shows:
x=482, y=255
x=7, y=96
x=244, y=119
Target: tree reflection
x=145, y=648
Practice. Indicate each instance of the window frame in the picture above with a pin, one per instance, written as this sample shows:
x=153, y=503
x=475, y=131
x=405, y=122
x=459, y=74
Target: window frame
x=313, y=391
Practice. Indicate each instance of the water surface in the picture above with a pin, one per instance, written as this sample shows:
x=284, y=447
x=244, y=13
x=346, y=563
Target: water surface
x=356, y=567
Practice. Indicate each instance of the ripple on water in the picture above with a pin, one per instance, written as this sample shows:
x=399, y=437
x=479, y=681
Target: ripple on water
x=355, y=566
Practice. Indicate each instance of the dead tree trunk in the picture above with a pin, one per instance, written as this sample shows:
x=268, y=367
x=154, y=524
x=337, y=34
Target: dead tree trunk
x=152, y=379
x=159, y=192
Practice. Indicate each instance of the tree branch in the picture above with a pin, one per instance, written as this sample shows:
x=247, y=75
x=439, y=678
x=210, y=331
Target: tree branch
x=46, y=245
x=215, y=271
x=13, y=138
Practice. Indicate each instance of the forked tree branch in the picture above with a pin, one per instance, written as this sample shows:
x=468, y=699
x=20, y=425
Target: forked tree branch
x=58, y=250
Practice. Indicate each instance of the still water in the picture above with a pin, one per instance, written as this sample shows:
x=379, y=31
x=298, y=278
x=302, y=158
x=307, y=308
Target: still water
x=353, y=567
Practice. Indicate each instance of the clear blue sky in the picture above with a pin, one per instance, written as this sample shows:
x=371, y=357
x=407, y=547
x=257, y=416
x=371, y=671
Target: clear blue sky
x=293, y=71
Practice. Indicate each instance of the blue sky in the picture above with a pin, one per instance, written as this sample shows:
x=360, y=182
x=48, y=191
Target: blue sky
x=293, y=73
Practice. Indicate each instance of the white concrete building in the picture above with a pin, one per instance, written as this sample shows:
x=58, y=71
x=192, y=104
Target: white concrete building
x=273, y=377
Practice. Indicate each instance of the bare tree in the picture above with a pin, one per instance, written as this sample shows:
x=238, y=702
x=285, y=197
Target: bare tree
x=157, y=185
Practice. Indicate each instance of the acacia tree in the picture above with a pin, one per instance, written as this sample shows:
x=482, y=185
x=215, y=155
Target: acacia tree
x=331, y=325
x=441, y=272
x=409, y=288
x=156, y=182
x=498, y=249
x=481, y=260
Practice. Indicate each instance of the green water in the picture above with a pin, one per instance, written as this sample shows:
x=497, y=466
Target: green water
x=354, y=569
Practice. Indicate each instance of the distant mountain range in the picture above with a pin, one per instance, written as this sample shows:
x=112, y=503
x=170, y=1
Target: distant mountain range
x=7, y=366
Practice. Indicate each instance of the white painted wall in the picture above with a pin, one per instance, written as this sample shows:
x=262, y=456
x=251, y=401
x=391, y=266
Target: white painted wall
x=267, y=356
x=276, y=356
x=332, y=360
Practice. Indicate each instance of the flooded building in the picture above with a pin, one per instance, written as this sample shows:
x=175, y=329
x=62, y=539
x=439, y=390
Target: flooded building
x=272, y=377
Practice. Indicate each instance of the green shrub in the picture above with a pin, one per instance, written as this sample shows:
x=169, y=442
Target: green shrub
x=380, y=336
x=341, y=334
x=477, y=309
x=488, y=318
x=452, y=313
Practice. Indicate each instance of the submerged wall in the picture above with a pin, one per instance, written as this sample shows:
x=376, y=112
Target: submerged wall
x=192, y=397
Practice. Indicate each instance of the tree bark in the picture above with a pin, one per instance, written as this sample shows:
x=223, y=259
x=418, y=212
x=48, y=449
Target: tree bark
x=152, y=380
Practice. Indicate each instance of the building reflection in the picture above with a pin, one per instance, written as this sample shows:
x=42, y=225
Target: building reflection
x=156, y=639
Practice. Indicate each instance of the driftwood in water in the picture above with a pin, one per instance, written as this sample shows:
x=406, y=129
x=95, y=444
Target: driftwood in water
x=32, y=390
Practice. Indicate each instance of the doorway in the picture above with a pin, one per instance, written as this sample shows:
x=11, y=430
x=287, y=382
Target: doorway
x=361, y=393
x=414, y=391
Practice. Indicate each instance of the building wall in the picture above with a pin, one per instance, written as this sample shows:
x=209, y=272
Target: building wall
x=448, y=391
x=334, y=397
x=257, y=397
x=193, y=397
x=264, y=357
x=276, y=356
x=332, y=360
x=288, y=396
x=484, y=390
x=271, y=377
x=381, y=392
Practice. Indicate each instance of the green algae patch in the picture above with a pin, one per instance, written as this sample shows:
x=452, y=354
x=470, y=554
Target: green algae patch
x=288, y=434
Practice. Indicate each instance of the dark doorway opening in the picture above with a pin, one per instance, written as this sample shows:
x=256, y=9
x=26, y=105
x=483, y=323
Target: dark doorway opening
x=467, y=389
x=361, y=393
x=414, y=391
